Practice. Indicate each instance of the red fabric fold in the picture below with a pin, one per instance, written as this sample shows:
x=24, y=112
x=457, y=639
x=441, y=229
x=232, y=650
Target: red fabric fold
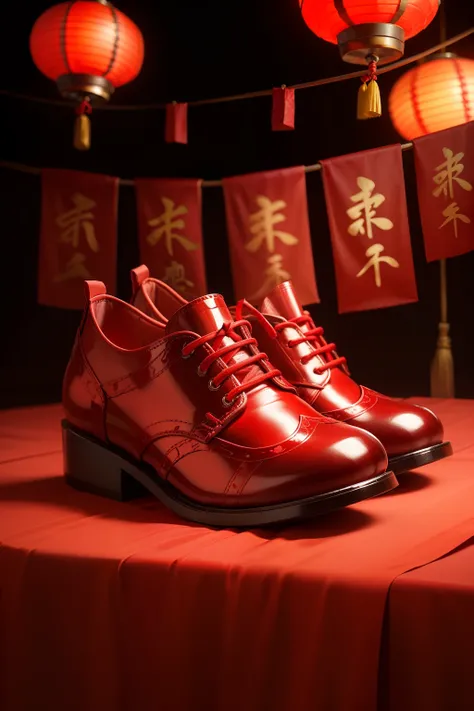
x=123, y=606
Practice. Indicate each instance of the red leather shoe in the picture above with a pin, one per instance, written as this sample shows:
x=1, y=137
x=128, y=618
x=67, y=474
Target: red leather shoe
x=195, y=413
x=412, y=435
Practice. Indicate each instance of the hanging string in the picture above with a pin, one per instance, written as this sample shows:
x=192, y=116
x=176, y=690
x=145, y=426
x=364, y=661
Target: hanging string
x=84, y=107
x=254, y=94
x=32, y=170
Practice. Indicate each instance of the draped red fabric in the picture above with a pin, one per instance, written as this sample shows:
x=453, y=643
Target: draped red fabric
x=431, y=642
x=115, y=606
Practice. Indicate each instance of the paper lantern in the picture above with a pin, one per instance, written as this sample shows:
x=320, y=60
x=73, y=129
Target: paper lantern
x=89, y=48
x=368, y=32
x=364, y=28
x=432, y=96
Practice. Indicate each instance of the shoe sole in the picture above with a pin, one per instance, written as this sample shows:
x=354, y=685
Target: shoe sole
x=108, y=471
x=420, y=457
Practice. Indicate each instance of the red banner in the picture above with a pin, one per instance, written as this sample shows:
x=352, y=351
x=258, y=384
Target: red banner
x=270, y=242
x=366, y=203
x=78, y=235
x=170, y=233
x=283, y=109
x=444, y=163
x=176, y=123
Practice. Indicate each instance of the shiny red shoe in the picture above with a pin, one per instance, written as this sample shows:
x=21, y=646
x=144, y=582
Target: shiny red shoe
x=412, y=435
x=195, y=413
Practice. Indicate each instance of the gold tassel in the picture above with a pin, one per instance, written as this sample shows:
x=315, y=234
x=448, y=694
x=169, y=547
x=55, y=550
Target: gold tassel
x=369, y=104
x=82, y=132
x=442, y=366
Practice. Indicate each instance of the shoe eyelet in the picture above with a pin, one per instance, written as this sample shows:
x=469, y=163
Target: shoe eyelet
x=289, y=344
x=201, y=373
x=212, y=386
x=226, y=402
x=184, y=356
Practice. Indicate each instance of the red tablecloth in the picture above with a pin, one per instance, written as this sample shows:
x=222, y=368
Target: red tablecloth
x=120, y=607
x=430, y=640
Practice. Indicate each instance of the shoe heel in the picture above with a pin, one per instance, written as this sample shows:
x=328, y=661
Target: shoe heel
x=92, y=467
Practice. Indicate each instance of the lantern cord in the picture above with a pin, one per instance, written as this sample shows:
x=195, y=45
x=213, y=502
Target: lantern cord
x=255, y=94
x=33, y=170
x=442, y=24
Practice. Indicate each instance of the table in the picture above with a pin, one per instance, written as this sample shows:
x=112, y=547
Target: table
x=114, y=607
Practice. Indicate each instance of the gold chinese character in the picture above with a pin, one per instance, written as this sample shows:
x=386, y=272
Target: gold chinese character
x=166, y=223
x=274, y=275
x=448, y=172
x=374, y=252
x=262, y=222
x=75, y=269
x=363, y=213
x=70, y=222
x=451, y=213
x=175, y=276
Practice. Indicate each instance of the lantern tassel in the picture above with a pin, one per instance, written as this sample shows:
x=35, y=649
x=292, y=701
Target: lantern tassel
x=82, y=126
x=369, y=104
x=442, y=366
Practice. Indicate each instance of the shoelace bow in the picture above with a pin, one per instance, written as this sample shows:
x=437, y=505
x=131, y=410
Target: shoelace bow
x=313, y=335
x=225, y=353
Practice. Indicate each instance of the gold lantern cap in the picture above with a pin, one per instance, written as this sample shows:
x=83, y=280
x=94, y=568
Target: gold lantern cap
x=383, y=40
x=79, y=86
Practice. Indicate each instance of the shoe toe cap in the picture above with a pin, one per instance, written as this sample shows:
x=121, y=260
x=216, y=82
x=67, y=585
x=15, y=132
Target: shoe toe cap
x=413, y=428
x=334, y=457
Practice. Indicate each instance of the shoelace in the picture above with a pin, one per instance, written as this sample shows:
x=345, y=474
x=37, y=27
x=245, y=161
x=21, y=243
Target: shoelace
x=225, y=353
x=312, y=335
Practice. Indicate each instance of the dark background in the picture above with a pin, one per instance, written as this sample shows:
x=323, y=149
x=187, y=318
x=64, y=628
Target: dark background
x=196, y=50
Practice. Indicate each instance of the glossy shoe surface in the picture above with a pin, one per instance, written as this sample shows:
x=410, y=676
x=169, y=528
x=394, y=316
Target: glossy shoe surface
x=193, y=411
x=412, y=435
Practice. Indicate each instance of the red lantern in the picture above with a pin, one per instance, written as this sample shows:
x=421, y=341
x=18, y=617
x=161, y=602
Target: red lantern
x=89, y=48
x=432, y=96
x=368, y=27
x=368, y=32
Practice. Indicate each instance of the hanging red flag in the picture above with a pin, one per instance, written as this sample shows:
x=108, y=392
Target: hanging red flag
x=78, y=237
x=176, y=125
x=270, y=242
x=170, y=233
x=444, y=163
x=283, y=109
x=366, y=204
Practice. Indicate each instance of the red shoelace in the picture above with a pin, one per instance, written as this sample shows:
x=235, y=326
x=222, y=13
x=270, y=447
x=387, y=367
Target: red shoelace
x=225, y=353
x=313, y=335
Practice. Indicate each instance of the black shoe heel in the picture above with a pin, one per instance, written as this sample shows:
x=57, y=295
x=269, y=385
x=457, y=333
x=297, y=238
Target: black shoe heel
x=90, y=467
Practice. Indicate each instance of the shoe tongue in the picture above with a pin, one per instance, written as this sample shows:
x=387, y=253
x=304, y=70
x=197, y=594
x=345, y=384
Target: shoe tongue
x=202, y=315
x=208, y=314
x=282, y=301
